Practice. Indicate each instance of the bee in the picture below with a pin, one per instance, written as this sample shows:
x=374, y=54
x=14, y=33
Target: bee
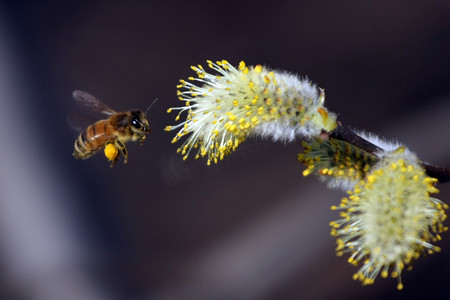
x=112, y=133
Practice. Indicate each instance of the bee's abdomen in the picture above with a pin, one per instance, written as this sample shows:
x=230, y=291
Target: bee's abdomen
x=92, y=139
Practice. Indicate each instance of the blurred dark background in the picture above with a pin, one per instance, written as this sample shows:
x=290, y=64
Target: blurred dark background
x=250, y=227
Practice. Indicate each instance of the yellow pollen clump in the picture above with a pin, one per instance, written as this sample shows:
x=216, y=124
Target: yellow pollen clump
x=111, y=152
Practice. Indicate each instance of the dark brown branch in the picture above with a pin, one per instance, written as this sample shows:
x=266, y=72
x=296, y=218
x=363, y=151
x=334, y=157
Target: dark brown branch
x=346, y=134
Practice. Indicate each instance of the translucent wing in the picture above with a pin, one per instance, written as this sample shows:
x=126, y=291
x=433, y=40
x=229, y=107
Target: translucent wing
x=79, y=122
x=86, y=99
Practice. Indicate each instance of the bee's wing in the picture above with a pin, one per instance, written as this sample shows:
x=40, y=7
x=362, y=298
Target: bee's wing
x=86, y=99
x=79, y=122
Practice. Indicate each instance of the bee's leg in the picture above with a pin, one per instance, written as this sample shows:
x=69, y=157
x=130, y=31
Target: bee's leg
x=142, y=139
x=114, y=161
x=123, y=150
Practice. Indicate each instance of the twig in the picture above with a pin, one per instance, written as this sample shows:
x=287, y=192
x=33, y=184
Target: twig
x=346, y=134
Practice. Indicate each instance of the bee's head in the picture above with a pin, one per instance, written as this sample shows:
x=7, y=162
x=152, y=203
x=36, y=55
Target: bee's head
x=139, y=122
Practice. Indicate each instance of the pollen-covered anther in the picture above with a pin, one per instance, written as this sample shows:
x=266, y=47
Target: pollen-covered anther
x=336, y=161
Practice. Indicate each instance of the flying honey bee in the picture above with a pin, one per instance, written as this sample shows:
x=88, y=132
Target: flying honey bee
x=112, y=133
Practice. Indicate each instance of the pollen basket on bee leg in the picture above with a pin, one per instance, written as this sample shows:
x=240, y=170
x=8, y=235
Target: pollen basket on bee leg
x=111, y=152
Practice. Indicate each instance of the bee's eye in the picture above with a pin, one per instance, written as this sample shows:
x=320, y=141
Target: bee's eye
x=135, y=122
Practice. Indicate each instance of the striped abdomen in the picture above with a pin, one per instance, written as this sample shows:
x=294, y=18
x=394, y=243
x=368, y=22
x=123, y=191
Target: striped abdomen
x=93, y=139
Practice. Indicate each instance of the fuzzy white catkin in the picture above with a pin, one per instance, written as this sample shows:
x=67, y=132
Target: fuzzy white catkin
x=223, y=109
x=389, y=219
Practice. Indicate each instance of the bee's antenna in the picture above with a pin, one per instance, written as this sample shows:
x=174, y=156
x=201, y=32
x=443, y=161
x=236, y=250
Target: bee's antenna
x=154, y=101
